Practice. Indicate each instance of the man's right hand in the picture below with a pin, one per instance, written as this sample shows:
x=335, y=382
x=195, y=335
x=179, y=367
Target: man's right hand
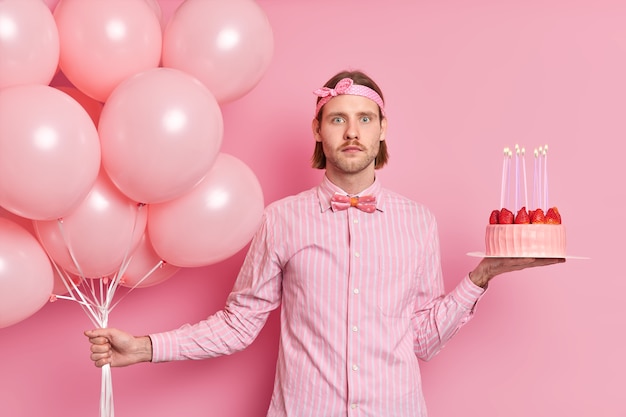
x=118, y=348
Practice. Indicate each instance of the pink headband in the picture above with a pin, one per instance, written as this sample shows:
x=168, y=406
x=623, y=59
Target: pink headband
x=347, y=86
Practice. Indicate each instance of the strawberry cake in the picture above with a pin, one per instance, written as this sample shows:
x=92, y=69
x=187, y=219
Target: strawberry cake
x=533, y=233
x=527, y=234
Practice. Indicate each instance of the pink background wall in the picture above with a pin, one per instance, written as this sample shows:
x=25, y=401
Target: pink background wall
x=462, y=80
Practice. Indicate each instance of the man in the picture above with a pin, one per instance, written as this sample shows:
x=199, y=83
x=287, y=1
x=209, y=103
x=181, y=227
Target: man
x=356, y=269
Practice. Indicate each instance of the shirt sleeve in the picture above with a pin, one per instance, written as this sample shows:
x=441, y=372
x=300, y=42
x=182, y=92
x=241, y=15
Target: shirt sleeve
x=257, y=291
x=439, y=316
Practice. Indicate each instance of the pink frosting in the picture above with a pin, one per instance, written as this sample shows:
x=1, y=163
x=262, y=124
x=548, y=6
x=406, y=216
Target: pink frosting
x=525, y=240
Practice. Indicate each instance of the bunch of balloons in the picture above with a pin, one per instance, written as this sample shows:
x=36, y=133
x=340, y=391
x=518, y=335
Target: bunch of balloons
x=118, y=180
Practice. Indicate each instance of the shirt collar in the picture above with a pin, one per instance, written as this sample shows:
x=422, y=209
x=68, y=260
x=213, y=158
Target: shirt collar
x=327, y=189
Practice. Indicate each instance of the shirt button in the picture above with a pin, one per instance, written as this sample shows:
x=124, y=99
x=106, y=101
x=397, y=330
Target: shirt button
x=357, y=254
x=353, y=406
x=356, y=290
x=355, y=220
x=355, y=329
x=355, y=367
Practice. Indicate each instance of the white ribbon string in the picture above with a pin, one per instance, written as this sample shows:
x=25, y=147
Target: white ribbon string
x=95, y=297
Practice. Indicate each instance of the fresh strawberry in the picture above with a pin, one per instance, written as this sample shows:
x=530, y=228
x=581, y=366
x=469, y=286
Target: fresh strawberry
x=493, y=218
x=553, y=216
x=537, y=216
x=522, y=217
x=506, y=216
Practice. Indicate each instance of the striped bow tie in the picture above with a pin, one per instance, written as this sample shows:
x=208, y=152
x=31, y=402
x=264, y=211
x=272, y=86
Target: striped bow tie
x=366, y=203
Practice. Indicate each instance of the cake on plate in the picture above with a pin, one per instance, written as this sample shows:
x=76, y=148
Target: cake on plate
x=520, y=232
x=522, y=237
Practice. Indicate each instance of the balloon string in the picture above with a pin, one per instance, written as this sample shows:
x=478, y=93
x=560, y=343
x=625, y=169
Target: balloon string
x=69, y=247
x=73, y=289
x=106, y=383
x=106, y=393
x=102, y=297
x=125, y=262
x=96, y=300
x=158, y=265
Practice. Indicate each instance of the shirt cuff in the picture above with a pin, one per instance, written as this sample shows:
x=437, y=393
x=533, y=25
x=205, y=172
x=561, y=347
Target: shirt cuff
x=467, y=293
x=164, y=347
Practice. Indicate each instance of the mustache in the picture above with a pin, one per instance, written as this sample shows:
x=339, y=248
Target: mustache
x=352, y=144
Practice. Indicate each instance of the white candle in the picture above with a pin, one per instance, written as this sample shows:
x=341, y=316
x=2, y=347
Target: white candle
x=517, y=182
x=545, y=177
x=535, y=180
x=507, y=188
x=502, y=186
x=524, y=176
x=540, y=179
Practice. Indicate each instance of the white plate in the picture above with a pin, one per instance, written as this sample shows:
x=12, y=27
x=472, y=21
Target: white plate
x=482, y=255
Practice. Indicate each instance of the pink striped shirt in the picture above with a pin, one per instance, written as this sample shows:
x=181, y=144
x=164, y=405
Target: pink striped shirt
x=361, y=298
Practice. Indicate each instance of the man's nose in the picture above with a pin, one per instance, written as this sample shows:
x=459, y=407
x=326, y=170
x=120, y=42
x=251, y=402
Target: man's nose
x=352, y=131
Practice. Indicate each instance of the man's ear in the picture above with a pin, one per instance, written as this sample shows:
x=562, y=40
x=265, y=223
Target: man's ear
x=315, y=127
x=383, y=129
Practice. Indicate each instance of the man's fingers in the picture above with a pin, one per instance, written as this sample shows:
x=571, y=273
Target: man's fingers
x=101, y=351
x=100, y=356
x=98, y=340
x=95, y=333
x=101, y=362
x=100, y=348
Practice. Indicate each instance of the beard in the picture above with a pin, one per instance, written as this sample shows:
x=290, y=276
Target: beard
x=351, y=163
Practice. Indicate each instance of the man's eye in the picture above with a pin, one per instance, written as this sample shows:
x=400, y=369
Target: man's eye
x=365, y=119
x=337, y=120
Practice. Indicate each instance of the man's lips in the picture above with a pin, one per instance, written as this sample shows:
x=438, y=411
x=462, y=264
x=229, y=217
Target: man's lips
x=351, y=148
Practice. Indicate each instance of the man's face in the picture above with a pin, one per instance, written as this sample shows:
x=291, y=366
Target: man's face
x=350, y=132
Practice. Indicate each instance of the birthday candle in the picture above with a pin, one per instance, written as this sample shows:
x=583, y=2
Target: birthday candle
x=545, y=176
x=502, y=187
x=508, y=176
x=535, y=179
x=516, y=206
x=524, y=175
x=540, y=179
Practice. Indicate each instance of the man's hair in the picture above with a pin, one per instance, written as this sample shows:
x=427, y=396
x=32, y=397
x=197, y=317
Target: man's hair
x=319, y=159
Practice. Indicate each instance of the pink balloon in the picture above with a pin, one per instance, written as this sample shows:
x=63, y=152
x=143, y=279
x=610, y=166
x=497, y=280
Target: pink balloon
x=100, y=233
x=29, y=43
x=141, y=272
x=58, y=288
x=25, y=275
x=213, y=221
x=49, y=152
x=160, y=133
x=226, y=44
x=105, y=42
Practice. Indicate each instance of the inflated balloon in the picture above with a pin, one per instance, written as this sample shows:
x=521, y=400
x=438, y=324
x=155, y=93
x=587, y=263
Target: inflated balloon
x=49, y=152
x=29, y=43
x=105, y=42
x=91, y=106
x=213, y=221
x=226, y=44
x=160, y=133
x=25, y=276
x=146, y=268
x=59, y=287
x=98, y=235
